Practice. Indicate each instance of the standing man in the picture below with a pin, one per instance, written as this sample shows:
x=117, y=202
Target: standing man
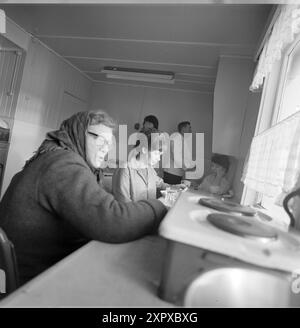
x=178, y=164
x=150, y=124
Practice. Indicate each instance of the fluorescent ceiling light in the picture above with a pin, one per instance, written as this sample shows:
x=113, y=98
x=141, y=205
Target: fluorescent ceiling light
x=2, y=21
x=138, y=78
x=138, y=75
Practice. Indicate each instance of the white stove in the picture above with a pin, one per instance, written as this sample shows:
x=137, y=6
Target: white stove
x=203, y=238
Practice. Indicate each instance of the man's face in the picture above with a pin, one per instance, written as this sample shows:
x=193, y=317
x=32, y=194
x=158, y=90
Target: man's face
x=97, y=143
x=148, y=126
x=187, y=129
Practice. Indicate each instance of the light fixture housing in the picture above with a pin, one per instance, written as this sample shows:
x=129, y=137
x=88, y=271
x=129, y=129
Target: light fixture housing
x=136, y=74
x=2, y=21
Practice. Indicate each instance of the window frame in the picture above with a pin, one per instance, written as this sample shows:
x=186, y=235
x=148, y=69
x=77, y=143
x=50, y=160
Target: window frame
x=286, y=62
x=268, y=116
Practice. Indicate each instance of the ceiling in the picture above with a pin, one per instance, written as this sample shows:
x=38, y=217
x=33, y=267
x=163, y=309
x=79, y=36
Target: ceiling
x=185, y=39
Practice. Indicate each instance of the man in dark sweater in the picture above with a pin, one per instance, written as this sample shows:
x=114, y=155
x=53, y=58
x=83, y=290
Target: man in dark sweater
x=57, y=203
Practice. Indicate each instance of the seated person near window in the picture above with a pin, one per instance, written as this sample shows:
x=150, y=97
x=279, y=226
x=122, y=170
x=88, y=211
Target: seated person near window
x=139, y=181
x=216, y=182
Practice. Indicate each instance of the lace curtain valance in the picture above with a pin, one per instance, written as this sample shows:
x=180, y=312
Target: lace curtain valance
x=274, y=159
x=286, y=27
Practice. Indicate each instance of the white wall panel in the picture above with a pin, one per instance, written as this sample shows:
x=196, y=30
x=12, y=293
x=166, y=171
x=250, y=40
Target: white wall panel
x=51, y=90
x=26, y=138
x=230, y=103
x=70, y=106
x=17, y=35
x=235, y=113
x=129, y=104
x=6, y=74
x=46, y=78
x=8, y=60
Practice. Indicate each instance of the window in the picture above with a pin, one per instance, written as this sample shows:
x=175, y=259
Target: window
x=290, y=98
x=279, y=121
x=288, y=103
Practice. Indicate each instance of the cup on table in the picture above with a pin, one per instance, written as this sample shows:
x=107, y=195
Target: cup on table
x=187, y=183
x=170, y=196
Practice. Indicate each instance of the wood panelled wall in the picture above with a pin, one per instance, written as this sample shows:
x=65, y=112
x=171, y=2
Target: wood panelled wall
x=50, y=90
x=8, y=57
x=11, y=65
x=45, y=81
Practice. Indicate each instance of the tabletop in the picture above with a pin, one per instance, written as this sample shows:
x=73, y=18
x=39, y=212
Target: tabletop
x=100, y=275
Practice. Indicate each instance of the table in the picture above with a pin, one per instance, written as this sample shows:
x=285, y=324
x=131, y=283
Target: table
x=101, y=275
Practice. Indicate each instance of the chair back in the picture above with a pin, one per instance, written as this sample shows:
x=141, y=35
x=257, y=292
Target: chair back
x=8, y=266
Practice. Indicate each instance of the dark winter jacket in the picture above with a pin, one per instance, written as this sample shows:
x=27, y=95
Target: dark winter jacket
x=55, y=205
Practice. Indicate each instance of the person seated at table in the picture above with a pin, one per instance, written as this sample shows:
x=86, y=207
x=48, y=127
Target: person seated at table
x=216, y=182
x=139, y=179
x=57, y=202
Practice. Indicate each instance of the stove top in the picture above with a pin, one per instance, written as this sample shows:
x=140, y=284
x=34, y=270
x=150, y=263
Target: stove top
x=242, y=226
x=227, y=206
x=247, y=238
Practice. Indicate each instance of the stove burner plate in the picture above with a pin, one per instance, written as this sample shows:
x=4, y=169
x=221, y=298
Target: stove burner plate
x=227, y=206
x=242, y=226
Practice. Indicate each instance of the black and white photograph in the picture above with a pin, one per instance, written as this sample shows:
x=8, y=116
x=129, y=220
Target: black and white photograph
x=150, y=157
